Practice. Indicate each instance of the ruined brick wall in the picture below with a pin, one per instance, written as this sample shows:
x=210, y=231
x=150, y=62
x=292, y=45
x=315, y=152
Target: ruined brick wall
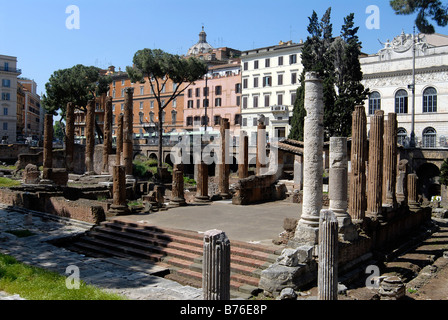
x=82, y=209
x=255, y=189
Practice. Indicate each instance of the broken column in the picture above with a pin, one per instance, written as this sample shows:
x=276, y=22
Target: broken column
x=261, y=148
x=298, y=172
x=357, y=195
x=243, y=160
x=202, y=183
x=70, y=136
x=48, y=150
x=119, y=206
x=90, y=137
x=402, y=182
x=338, y=187
x=412, y=190
x=308, y=226
x=216, y=266
x=223, y=166
x=390, y=160
x=327, y=274
x=107, y=128
x=375, y=180
x=128, y=131
x=119, y=150
x=177, y=192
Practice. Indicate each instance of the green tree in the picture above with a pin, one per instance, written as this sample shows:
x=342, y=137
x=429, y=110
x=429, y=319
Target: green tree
x=444, y=173
x=59, y=130
x=425, y=9
x=157, y=67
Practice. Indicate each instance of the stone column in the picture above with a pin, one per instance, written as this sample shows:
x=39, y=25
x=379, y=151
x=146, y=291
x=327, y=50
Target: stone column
x=402, y=182
x=90, y=136
x=224, y=167
x=107, y=146
x=357, y=195
x=70, y=136
x=119, y=139
x=298, y=172
x=119, y=206
x=216, y=266
x=375, y=180
x=261, y=149
x=308, y=225
x=243, y=161
x=202, y=183
x=412, y=190
x=327, y=274
x=128, y=131
x=390, y=160
x=48, y=149
x=177, y=192
x=338, y=187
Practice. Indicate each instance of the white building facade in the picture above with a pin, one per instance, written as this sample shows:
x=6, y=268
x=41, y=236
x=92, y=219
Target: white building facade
x=270, y=78
x=389, y=76
x=8, y=100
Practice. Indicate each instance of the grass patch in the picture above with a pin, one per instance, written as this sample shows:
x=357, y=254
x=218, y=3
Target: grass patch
x=6, y=182
x=34, y=283
x=21, y=233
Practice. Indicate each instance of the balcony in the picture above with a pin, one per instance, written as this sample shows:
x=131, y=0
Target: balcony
x=12, y=70
x=279, y=109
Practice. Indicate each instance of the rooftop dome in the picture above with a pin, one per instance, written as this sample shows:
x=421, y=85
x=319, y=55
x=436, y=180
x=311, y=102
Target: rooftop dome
x=202, y=46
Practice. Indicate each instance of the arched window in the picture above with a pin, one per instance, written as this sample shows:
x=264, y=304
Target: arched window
x=401, y=101
x=374, y=102
x=429, y=138
x=430, y=100
x=402, y=135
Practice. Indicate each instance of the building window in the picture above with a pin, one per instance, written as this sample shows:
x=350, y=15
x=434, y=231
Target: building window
x=173, y=117
x=5, y=126
x=198, y=103
x=293, y=98
x=6, y=96
x=122, y=92
x=205, y=103
x=280, y=61
x=280, y=99
x=293, y=78
x=218, y=102
x=266, y=100
x=374, y=102
x=197, y=120
x=141, y=117
x=204, y=120
x=122, y=82
x=6, y=68
x=254, y=122
x=430, y=100
x=151, y=104
x=5, y=111
x=255, y=101
x=218, y=90
x=267, y=81
x=401, y=101
x=190, y=93
x=245, y=82
x=280, y=79
x=217, y=120
x=238, y=101
x=189, y=121
x=267, y=63
x=113, y=93
x=256, y=82
x=256, y=64
x=429, y=138
x=113, y=107
x=174, y=103
x=401, y=136
x=141, y=105
x=237, y=119
x=246, y=66
x=151, y=116
x=190, y=104
x=238, y=88
x=198, y=92
x=6, y=83
x=293, y=58
x=142, y=91
x=122, y=106
x=244, y=122
x=244, y=102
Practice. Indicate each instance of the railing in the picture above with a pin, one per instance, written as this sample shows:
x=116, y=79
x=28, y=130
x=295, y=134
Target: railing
x=12, y=70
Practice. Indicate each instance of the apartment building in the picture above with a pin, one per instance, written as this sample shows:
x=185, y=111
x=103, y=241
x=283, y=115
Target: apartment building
x=270, y=78
x=32, y=119
x=8, y=103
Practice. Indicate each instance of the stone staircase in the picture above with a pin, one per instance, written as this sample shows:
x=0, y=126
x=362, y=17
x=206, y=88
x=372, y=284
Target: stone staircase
x=180, y=251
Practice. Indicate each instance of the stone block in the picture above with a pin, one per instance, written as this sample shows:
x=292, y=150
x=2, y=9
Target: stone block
x=278, y=277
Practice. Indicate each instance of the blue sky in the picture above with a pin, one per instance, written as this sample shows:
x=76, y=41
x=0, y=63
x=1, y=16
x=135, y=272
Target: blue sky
x=112, y=31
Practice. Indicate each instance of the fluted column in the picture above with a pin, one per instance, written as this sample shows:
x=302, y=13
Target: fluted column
x=375, y=180
x=327, y=276
x=70, y=136
x=308, y=225
x=390, y=160
x=90, y=136
x=357, y=195
x=243, y=156
x=216, y=266
x=223, y=166
x=128, y=131
x=107, y=128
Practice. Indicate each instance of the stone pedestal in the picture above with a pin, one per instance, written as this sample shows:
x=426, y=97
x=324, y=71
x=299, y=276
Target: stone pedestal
x=119, y=152
x=308, y=226
x=223, y=165
x=128, y=132
x=392, y=288
x=243, y=156
x=107, y=128
x=390, y=160
x=375, y=180
x=48, y=150
x=216, y=266
x=177, y=192
x=119, y=206
x=338, y=187
x=327, y=275
x=202, y=183
x=70, y=137
x=90, y=137
x=357, y=195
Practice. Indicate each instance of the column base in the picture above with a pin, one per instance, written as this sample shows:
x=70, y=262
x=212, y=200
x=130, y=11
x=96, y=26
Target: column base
x=305, y=235
x=118, y=210
x=46, y=181
x=178, y=202
x=202, y=199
